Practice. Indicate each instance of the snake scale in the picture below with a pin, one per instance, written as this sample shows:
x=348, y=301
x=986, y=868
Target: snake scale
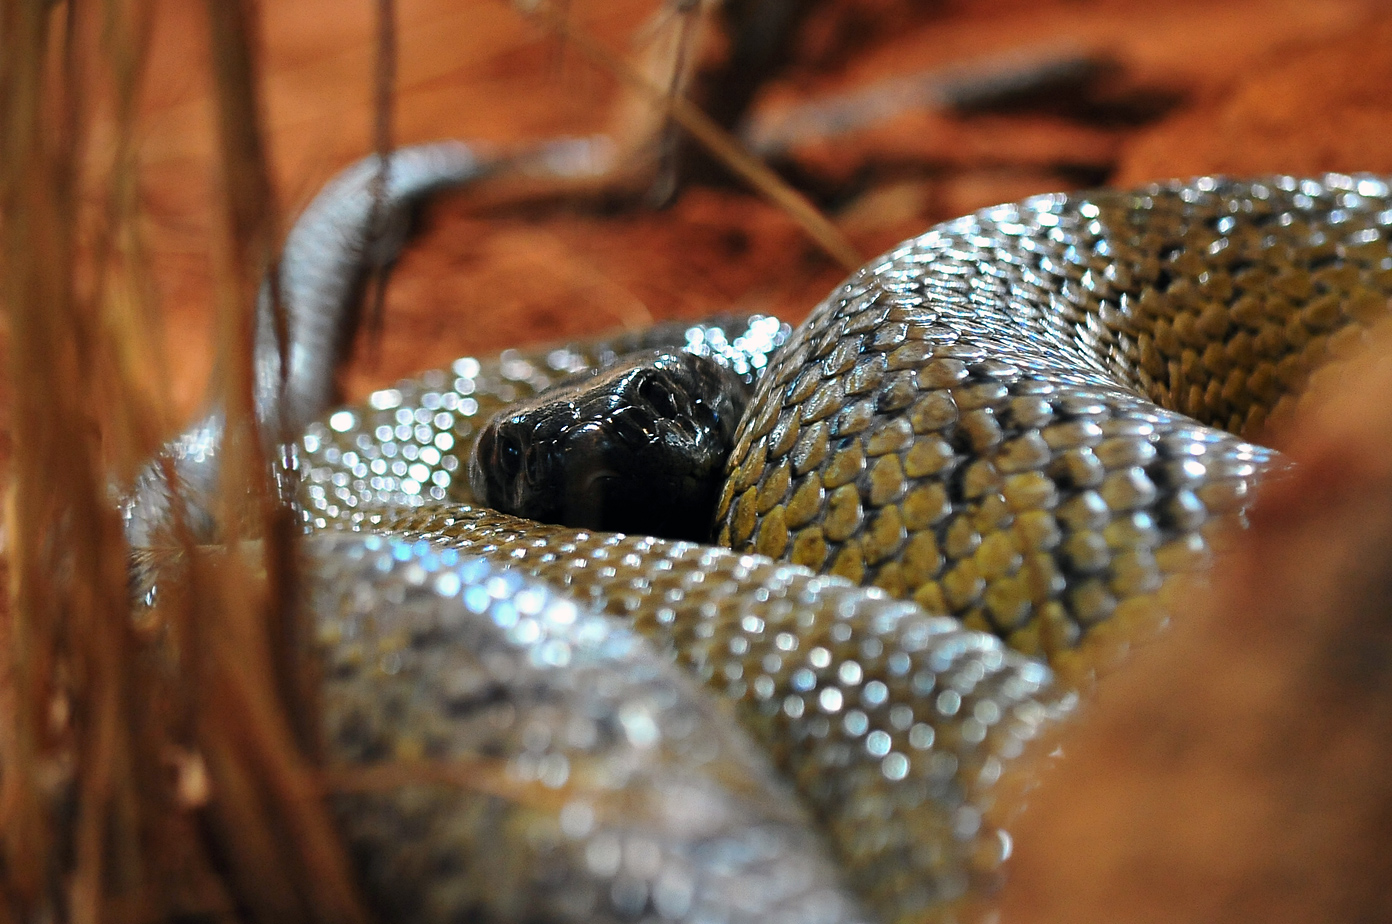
x=971, y=427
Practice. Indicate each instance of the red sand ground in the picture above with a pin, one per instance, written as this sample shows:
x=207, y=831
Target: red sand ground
x=1243, y=812
x=1251, y=85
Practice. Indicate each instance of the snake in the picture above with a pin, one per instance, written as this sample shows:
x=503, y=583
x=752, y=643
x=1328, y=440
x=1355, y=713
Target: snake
x=983, y=468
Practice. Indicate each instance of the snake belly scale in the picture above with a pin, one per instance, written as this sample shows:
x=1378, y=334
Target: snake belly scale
x=967, y=423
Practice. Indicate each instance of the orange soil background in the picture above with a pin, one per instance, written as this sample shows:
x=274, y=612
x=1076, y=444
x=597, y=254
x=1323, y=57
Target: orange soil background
x=1194, y=87
x=1194, y=824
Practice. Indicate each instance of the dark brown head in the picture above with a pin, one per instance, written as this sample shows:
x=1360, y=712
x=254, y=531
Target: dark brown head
x=638, y=446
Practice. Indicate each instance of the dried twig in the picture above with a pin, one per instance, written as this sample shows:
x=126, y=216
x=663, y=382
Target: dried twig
x=711, y=136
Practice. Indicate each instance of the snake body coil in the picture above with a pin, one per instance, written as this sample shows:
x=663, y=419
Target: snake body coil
x=967, y=422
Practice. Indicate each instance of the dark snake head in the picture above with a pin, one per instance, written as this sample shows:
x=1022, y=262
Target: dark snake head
x=638, y=446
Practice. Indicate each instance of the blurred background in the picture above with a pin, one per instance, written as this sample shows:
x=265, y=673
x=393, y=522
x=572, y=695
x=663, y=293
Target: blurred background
x=890, y=114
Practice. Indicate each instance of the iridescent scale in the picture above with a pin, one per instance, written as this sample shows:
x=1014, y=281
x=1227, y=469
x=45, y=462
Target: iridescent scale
x=409, y=444
x=968, y=424
x=968, y=421
x=551, y=766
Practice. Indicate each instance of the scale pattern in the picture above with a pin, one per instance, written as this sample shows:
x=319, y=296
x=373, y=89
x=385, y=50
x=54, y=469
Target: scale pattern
x=899, y=729
x=967, y=422
x=584, y=777
x=409, y=445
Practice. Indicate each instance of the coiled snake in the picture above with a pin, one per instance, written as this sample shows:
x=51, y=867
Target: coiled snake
x=970, y=423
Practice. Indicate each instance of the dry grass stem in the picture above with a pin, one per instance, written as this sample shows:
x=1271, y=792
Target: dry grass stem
x=711, y=136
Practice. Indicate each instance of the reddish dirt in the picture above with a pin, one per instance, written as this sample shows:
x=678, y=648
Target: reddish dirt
x=1256, y=85
x=1190, y=87
x=1237, y=770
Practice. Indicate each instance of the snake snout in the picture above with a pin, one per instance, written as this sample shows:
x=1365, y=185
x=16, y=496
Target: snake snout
x=664, y=398
x=638, y=446
x=631, y=429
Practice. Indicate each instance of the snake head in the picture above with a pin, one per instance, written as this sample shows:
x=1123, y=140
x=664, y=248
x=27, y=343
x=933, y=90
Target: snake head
x=637, y=446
